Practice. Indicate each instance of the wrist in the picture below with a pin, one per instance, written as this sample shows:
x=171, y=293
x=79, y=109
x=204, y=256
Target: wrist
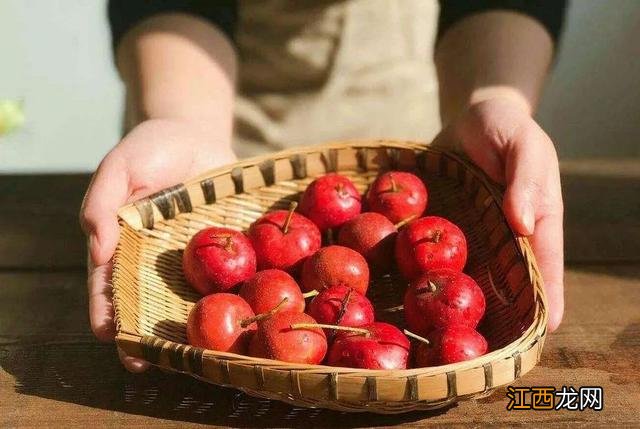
x=207, y=119
x=200, y=135
x=504, y=95
x=454, y=108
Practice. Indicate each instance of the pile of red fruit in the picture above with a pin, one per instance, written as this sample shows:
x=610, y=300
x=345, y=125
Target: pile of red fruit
x=280, y=262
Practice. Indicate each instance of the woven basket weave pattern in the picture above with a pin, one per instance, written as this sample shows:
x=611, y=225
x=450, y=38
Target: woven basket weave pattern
x=153, y=300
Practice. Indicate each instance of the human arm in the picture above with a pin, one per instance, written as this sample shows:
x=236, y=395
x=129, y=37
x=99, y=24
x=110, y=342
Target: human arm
x=491, y=69
x=179, y=73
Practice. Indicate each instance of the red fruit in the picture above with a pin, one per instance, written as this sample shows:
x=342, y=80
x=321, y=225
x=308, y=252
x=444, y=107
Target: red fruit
x=372, y=235
x=283, y=239
x=217, y=259
x=440, y=298
x=385, y=347
x=330, y=201
x=430, y=243
x=335, y=265
x=216, y=323
x=455, y=343
x=398, y=196
x=275, y=339
x=341, y=305
x=268, y=288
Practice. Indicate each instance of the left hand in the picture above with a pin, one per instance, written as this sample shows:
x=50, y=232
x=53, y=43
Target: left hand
x=155, y=154
x=503, y=140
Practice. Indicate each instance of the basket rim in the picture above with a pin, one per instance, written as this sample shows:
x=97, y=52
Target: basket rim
x=534, y=333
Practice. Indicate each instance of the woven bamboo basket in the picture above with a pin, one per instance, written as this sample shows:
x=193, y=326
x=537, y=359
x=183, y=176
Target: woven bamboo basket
x=152, y=299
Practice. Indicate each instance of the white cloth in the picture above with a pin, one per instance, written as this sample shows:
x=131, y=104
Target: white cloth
x=313, y=71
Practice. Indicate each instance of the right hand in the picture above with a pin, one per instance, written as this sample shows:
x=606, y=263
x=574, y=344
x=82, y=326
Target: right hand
x=505, y=141
x=156, y=154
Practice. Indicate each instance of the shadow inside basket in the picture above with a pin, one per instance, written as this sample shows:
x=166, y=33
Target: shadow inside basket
x=164, y=299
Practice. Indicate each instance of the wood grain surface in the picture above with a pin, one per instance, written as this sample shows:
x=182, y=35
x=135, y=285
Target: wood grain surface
x=54, y=374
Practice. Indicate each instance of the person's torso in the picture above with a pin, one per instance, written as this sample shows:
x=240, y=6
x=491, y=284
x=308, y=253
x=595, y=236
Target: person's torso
x=312, y=71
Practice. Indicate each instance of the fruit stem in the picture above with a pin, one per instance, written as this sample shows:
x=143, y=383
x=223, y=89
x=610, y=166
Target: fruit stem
x=228, y=241
x=262, y=316
x=403, y=222
x=310, y=294
x=227, y=244
x=500, y=296
x=432, y=288
x=360, y=331
x=436, y=236
x=392, y=309
x=394, y=187
x=343, y=307
x=292, y=208
x=415, y=336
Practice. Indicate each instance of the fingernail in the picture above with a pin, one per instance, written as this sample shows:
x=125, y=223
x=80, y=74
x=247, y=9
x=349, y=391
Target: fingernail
x=528, y=219
x=132, y=364
x=136, y=365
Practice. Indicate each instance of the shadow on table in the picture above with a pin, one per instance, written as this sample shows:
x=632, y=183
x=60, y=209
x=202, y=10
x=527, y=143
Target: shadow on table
x=89, y=374
x=602, y=229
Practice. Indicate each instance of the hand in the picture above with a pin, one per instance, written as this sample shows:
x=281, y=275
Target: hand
x=501, y=138
x=156, y=154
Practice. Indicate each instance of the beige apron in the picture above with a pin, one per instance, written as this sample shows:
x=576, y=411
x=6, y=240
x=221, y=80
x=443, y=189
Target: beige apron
x=312, y=71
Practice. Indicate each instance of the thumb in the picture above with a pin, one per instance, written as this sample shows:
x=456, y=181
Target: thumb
x=533, y=201
x=529, y=159
x=98, y=216
x=107, y=191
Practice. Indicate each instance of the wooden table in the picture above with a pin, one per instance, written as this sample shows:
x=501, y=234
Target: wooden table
x=53, y=373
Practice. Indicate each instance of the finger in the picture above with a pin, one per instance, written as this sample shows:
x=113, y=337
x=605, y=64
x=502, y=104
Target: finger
x=530, y=171
x=133, y=364
x=547, y=243
x=108, y=191
x=533, y=206
x=101, y=313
